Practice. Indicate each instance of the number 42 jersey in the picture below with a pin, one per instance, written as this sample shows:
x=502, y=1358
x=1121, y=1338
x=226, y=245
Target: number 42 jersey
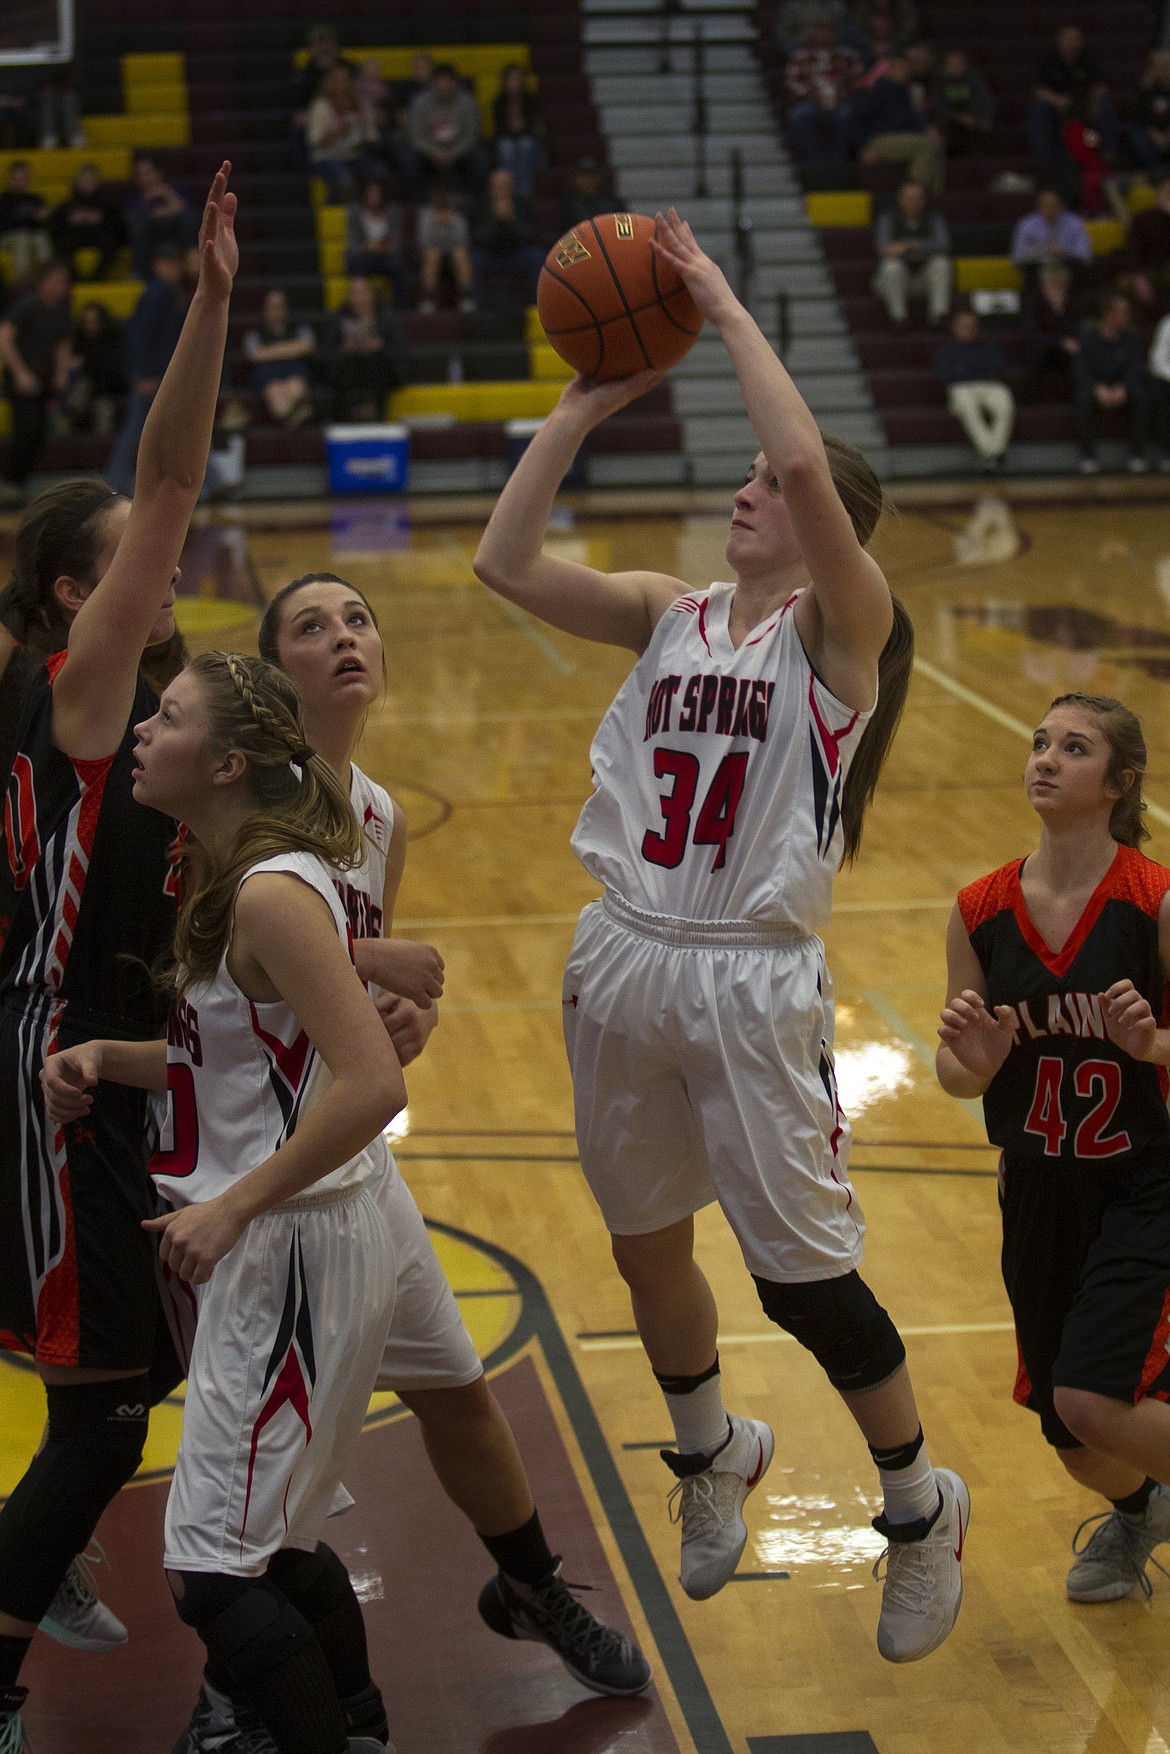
x=718, y=773
x=1065, y=1090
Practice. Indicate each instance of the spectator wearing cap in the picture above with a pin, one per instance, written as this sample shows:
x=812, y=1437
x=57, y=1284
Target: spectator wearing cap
x=975, y=372
x=1050, y=233
x=820, y=78
x=152, y=334
x=587, y=195
x=1149, y=246
x=443, y=129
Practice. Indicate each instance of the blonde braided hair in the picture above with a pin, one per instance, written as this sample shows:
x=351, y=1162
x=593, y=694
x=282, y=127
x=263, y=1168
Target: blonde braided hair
x=254, y=709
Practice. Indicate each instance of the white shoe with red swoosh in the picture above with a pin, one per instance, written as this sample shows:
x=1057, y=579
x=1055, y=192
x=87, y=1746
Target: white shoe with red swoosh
x=923, y=1587
x=708, y=1502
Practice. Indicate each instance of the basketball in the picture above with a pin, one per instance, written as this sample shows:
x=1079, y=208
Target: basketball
x=609, y=305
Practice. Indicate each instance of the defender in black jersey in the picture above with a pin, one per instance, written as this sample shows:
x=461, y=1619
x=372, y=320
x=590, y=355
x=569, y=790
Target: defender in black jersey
x=1056, y=1014
x=94, y=907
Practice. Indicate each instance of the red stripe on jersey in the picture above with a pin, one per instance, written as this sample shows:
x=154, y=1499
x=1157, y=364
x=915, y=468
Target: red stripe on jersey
x=290, y=1060
x=775, y=622
x=58, y=1316
x=703, y=625
x=1157, y=1357
x=53, y=664
x=1022, y=1387
x=1131, y=877
x=830, y=741
x=685, y=606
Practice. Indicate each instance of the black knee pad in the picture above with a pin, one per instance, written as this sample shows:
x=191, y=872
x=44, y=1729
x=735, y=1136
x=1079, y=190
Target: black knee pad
x=314, y=1582
x=248, y=1625
x=93, y=1446
x=842, y=1324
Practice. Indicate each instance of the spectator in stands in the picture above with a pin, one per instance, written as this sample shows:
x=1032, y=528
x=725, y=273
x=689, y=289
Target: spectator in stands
x=913, y=247
x=1054, y=327
x=820, y=79
x=152, y=334
x=1069, y=70
x=920, y=59
x=964, y=109
x=422, y=71
x=1150, y=135
x=890, y=129
x=504, y=238
x=517, y=126
x=1109, y=371
x=97, y=383
x=342, y=135
x=34, y=348
x=1160, y=392
x=24, y=222
x=443, y=238
x=1082, y=143
x=794, y=18
x=89, y=219
x=157, y=215
x=443, y=130
x=1149, y=246
x=360, y=353
x=375, y=90
x=17, y=132
x=881, y=28
x=324, y=55
x=1050, y=233
x=58, y=110
x=975, y=372
x=587, y=195
x=278, y=352
x=373, y=240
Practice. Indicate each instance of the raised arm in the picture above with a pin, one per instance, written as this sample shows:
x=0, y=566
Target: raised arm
x=284, y=932
x=617, y=609
x=846, y=618
x=94, y=691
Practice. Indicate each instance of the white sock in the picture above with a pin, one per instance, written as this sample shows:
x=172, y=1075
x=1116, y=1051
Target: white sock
x=698, y=1417
x=910, y=1493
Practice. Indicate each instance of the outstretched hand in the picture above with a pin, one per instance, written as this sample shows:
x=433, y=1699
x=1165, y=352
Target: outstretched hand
x=978, y=1038
x=592, y=402
x=704, y=279
x=219, y=253
x=1130, y=1023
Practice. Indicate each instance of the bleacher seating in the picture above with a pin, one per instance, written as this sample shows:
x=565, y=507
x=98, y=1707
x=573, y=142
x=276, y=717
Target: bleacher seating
x=1005, y=42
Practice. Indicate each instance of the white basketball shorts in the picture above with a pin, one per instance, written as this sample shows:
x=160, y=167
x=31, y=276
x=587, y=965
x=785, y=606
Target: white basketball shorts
x=291, y=1331
x=428, y=1346
x=702, y=1062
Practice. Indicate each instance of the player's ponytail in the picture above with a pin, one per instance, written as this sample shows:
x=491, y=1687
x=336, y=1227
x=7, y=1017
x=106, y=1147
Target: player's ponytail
x=300, y=804
x=1122, y=731
x=894, y=670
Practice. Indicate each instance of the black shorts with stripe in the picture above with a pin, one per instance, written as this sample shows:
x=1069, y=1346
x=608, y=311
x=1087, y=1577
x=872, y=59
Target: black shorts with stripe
x=77, y=1271
x=1086, y=1262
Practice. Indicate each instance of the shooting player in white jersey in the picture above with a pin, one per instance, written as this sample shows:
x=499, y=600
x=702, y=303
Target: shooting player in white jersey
x=731, y=776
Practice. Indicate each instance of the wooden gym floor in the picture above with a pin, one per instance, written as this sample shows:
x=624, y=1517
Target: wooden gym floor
x=483, y=736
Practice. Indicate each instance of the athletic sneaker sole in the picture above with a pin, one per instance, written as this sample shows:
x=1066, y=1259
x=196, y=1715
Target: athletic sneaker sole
x=78, y=1641
x=495, y=1614
x=767, y=1442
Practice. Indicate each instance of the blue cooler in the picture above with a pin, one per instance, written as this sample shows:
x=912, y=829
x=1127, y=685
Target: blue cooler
x=374, y=458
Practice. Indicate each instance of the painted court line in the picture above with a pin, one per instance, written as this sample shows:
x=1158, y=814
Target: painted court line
x=1009, y=722
x=773, y=1337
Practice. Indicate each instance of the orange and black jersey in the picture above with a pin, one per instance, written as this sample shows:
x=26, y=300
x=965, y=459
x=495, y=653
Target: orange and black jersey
x=1065, y=1091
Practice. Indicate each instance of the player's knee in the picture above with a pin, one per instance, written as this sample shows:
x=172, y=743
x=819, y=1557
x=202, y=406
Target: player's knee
x=313, y=1582
x=1092, y=1419
x=842, y=1324
x=98, y=1430
x=650, y=1265
x=247, y=1624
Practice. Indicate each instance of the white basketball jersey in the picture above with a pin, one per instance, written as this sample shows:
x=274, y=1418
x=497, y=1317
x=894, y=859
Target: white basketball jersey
x=718, y=773
x=361, y=889
x=242, y=1074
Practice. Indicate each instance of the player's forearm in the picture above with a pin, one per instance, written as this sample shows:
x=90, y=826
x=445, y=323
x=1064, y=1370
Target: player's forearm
x=957, y=1079
x=352, y=1112
x=177, y=434
x=142, y=1064
x=510, y=546
x=1159, y=1052
x=789, y=436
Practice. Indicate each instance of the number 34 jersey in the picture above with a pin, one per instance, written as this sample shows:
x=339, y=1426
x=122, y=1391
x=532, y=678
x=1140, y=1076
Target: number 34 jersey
x=1065, y=1090
x=718, y=774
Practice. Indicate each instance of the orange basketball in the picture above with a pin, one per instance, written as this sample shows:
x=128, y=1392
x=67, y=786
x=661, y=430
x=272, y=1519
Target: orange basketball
x=609, y=305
